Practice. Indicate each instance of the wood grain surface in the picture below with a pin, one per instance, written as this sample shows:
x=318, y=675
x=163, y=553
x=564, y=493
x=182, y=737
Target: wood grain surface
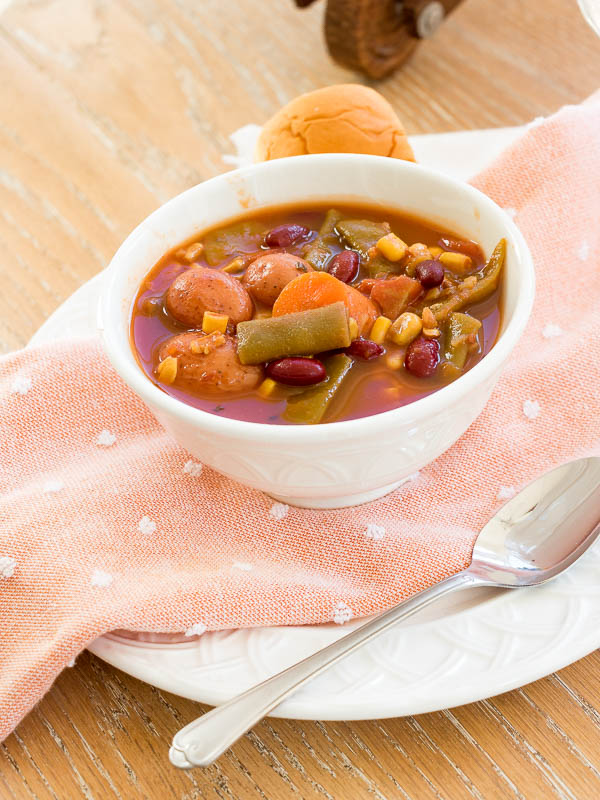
x=106, y=110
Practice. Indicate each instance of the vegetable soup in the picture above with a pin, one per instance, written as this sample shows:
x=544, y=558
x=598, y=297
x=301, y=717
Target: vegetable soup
x=316, y=314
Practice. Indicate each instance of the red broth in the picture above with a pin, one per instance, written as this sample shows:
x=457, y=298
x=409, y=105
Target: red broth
x=370, y=387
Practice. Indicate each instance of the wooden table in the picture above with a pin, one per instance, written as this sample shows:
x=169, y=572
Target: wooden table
x=106, y=110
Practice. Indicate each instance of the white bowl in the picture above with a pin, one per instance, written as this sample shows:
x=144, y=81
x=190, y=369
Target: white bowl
x=340, y=463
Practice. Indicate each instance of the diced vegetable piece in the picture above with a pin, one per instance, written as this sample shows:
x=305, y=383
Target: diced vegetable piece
x=311, y=290
x=310, y=406
x=190, y=253
x=206, y=344
x=366, y=286
x=332, y=217
x=316, y=289
x=435, y=251
x=396, y=294
x=214, y=322
x=319, y=252
x=468, y=292
x=302, y=333
x=353, y=327
x=268, y=389
x=460, y=263
x=378, y=265
x=240, y=237
x=379, y=330
x=460, y=333
x=466, y=246
x=406, y=328
x=236, y=265
x=166, y=372
x=392, y=247
x=430, y=328
x=394, y=361
x=362, y=234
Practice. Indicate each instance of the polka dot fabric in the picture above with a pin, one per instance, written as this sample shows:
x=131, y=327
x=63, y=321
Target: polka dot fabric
x=106, y=523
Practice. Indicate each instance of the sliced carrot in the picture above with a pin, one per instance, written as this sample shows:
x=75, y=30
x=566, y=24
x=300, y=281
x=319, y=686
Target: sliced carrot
x=362, y=309
x=310, y=290
x=316, y=289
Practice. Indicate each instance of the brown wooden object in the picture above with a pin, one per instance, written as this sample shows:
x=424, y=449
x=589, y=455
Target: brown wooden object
x=377, y=36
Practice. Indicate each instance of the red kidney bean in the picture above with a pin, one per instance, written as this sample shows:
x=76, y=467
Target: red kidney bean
x=344, y=266
x=296, y=371
x=430, y=273
x=422, y=357
x=285, y=235
x=365, y=349
x=464, y=246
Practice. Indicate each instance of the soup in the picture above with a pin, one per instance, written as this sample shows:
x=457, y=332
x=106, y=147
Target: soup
x=304, y=315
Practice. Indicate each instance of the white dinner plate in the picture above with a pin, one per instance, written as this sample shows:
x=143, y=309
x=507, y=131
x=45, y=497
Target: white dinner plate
x=463, y=649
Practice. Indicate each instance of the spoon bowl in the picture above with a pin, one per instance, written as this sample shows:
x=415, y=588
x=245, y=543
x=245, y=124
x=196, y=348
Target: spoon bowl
x=543, y=530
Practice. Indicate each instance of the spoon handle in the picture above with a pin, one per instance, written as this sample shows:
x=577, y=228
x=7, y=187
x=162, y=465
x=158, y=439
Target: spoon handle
x=206, y=738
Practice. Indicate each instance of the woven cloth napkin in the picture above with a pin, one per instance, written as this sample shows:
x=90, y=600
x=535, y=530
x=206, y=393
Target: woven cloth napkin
x=106, y=523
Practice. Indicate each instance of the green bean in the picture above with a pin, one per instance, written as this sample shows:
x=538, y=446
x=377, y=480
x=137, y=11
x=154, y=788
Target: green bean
x=486, y=283
x=309, y=407
x=319, y=252
x=362, y=234
x=460, y=327
x=302, y=333
x=244, y=236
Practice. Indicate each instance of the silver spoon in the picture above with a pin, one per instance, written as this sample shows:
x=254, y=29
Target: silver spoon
x=536, y=536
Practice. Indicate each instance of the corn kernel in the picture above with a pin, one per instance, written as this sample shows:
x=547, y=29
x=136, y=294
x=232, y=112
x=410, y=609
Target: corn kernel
x=268, y=388
x=435, y=251
x=191, y=252
x=353, y=328
x=167, y=370
x=379, y=330
x=394, y=361
x=237, y=265
x=457, y=262
x=392, y=247
x=406, y=328
x=212, y=323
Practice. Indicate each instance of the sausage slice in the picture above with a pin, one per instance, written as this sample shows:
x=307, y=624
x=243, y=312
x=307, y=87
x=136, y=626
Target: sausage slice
x=209, y=364
x=201, y=289
x=268, y=274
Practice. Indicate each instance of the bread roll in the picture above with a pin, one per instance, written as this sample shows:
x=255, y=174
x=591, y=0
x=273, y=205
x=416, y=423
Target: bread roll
x=347, y=118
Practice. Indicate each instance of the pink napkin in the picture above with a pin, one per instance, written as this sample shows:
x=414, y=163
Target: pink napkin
x=106, y=523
